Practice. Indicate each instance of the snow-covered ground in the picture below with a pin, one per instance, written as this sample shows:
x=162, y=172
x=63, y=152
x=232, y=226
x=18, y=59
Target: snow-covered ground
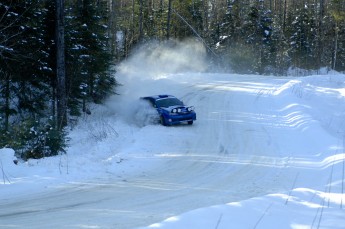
x=265, y=152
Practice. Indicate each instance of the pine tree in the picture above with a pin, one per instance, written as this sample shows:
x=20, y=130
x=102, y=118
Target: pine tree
x=24, y=78
x=279, y=44
x=303, y=39
x=231, y=45
x=88, y=56
x=338, y=15
x=257, y=30
x=267, y=46
x=27, y=84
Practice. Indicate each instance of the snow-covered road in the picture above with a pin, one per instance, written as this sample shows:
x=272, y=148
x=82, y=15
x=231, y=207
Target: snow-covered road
x=253, y=136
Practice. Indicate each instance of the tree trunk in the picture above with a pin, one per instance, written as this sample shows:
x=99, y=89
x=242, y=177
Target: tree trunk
x=320, y=33
x=284, y=15
x=133, y=18
x=112, y=29
x=141, y=20
x=7, y=100
x=168, y=20
x=60, y=66
x=205, y=18
x=335, y=45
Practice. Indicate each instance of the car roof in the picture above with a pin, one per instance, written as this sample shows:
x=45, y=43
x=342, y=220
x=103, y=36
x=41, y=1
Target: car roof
x=155, y=97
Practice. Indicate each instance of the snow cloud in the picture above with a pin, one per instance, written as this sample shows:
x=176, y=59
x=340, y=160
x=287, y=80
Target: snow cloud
x=159, y=59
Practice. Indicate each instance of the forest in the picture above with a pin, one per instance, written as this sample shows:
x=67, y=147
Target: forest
x=58, y=57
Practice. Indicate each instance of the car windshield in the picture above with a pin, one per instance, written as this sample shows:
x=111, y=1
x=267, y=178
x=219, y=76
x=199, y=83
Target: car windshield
x=168, y=102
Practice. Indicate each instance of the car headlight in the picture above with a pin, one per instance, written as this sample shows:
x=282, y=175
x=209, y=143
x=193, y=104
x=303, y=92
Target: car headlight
x=174, y=110
x=179, y=110
x=190, y=109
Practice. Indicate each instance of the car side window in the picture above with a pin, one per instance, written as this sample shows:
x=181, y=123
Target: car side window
x=152, y=103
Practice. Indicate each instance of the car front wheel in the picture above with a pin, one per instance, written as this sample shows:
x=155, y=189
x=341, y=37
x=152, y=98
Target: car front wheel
x=162, y=120
x=190, y=122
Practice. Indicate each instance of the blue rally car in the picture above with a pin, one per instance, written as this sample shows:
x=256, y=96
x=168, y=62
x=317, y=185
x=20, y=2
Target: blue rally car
x=171, y=110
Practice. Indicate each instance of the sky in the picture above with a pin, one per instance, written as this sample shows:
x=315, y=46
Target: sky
x=265, y=152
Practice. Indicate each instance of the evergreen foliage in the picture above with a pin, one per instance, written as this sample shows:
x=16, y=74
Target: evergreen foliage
x=28, y=72
x=35, y=139
x=252, y=36
x=88, y=57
